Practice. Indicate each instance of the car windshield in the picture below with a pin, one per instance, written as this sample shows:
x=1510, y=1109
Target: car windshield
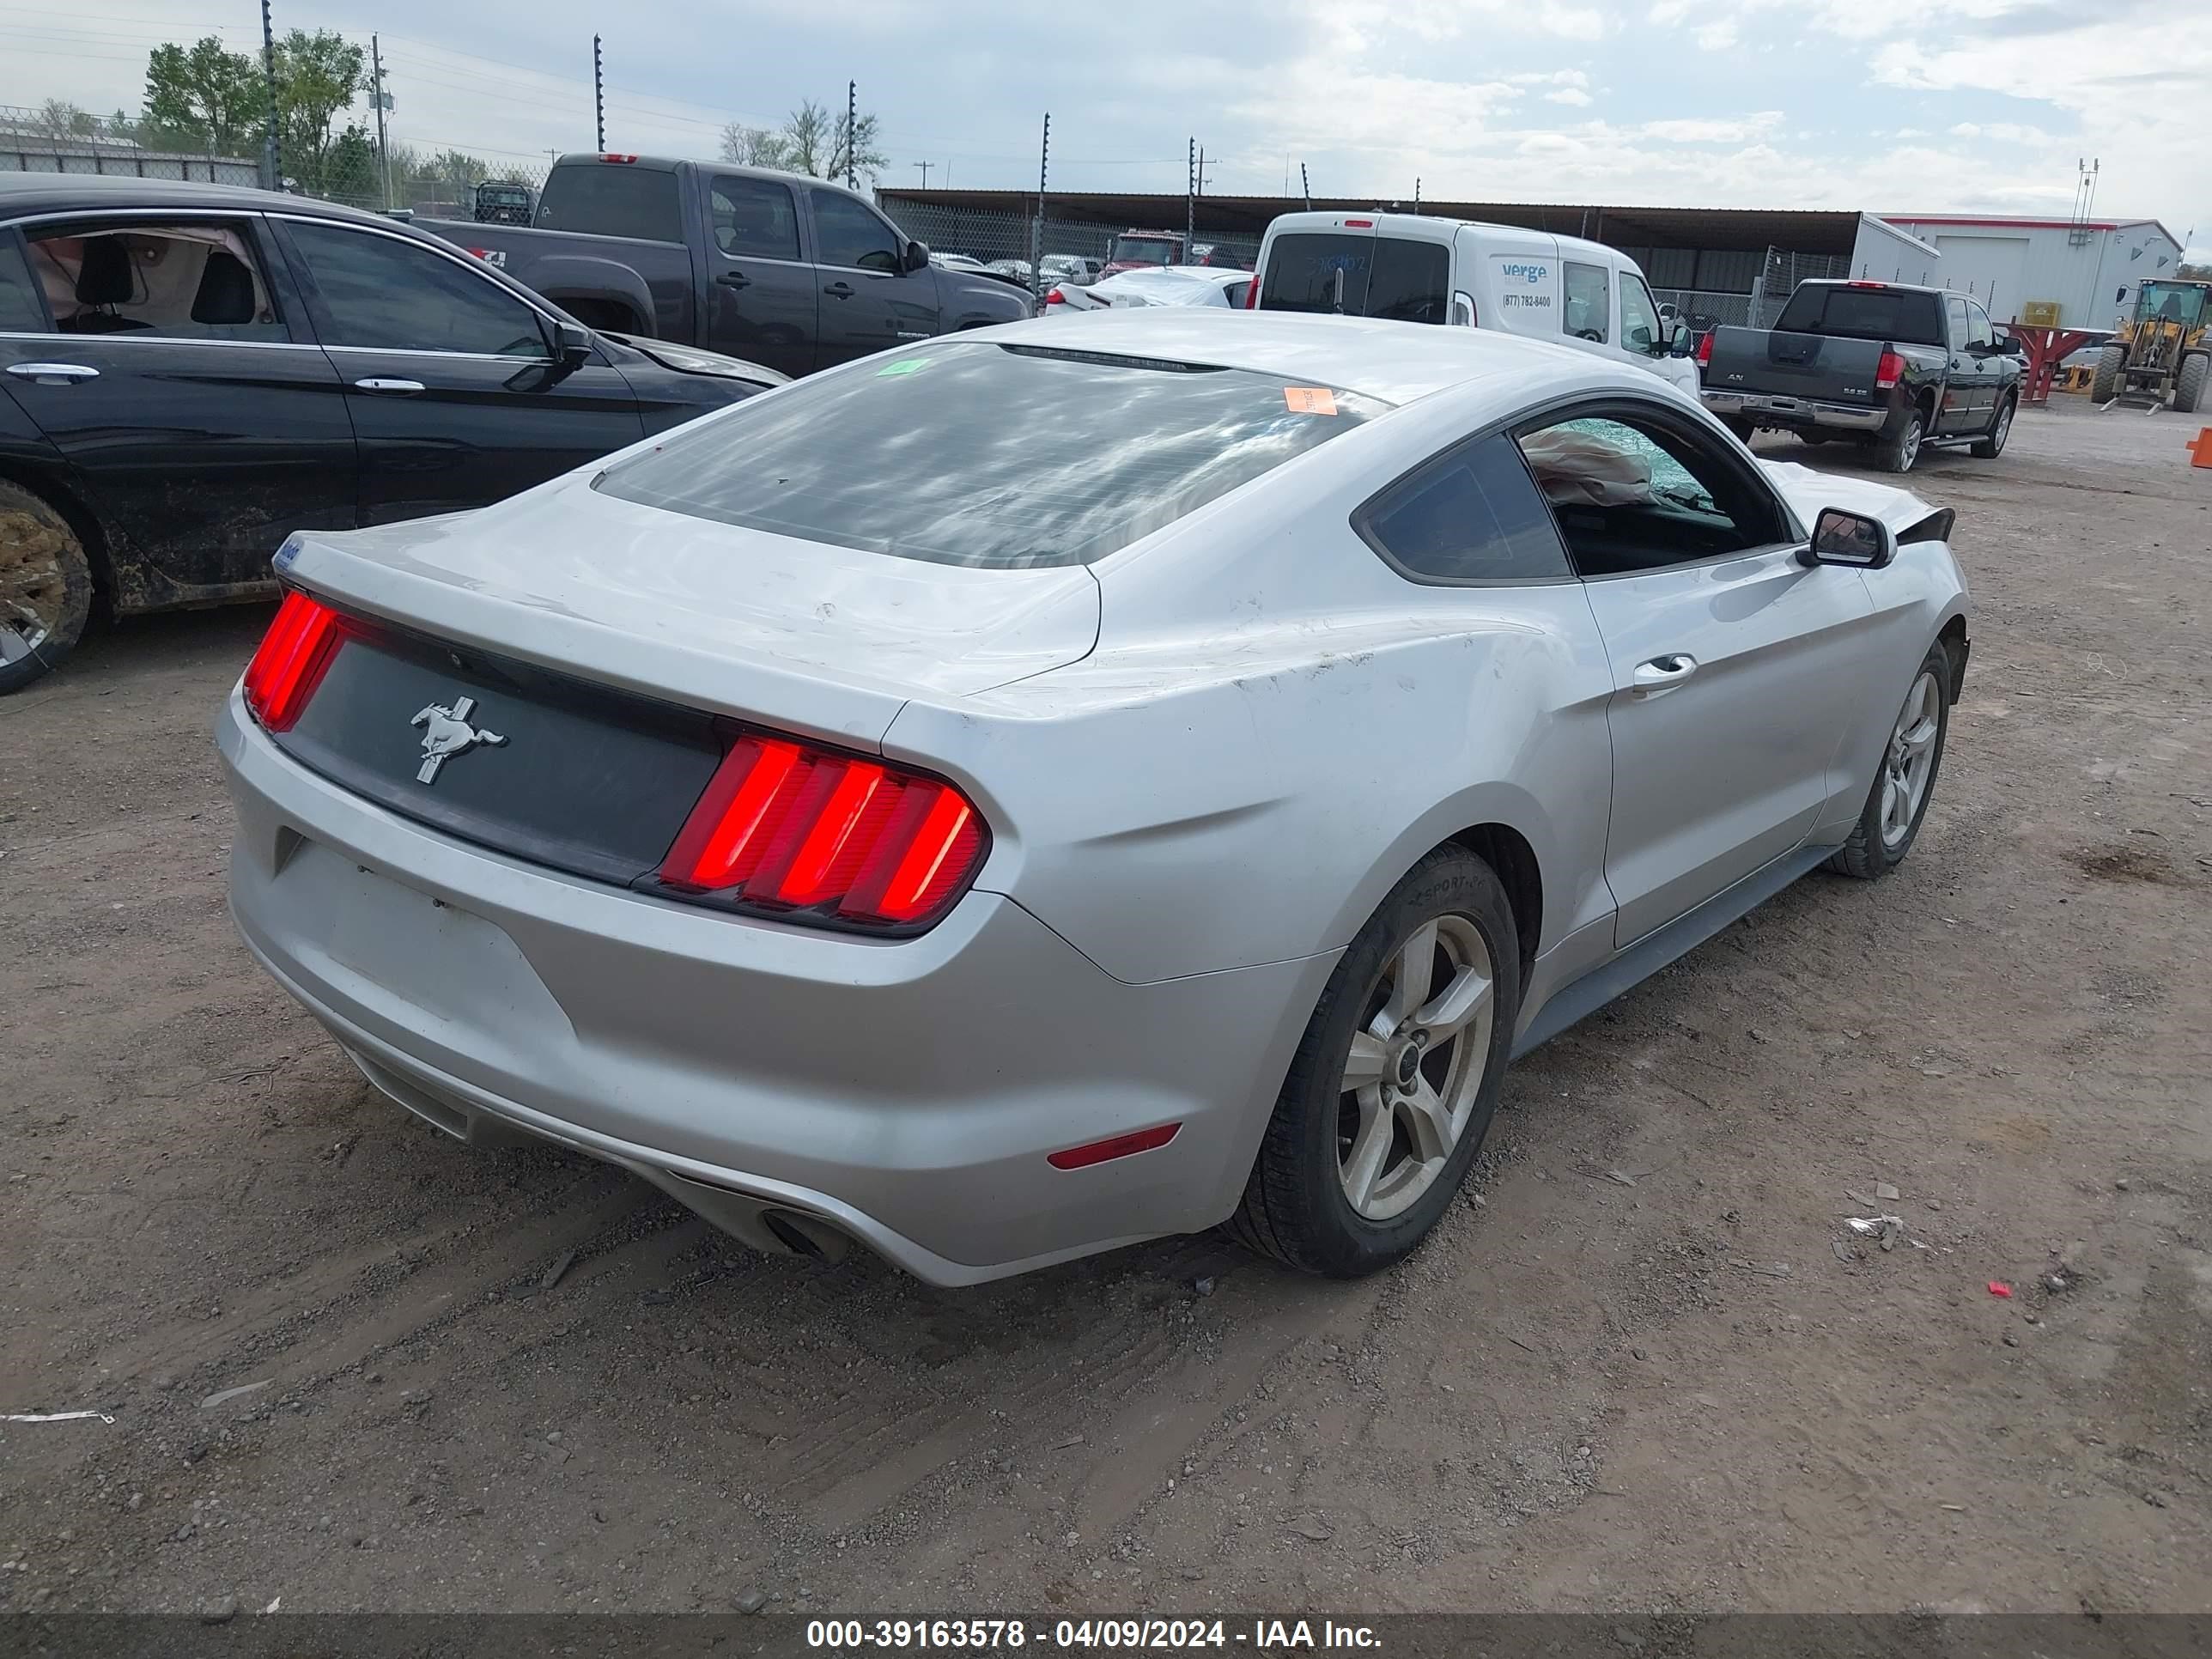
x=1144, y=251
x=1004, y=456
x=1900, y=315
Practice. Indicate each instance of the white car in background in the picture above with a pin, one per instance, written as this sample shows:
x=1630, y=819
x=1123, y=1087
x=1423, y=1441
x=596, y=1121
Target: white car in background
x=1072, y=268
x=1418, y=269
x=1169, y=285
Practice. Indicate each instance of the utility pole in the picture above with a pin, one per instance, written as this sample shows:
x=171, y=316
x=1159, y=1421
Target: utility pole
x=383, y=103
x=272, y=156
x=852, y=129
x=925, y=167
x=1190, y=200
x=599, y=97
x=1417, y=196
x=1036, y=252
x=1306, y=188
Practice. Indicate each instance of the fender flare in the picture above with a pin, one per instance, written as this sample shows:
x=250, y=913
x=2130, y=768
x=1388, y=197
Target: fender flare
x=563, y=277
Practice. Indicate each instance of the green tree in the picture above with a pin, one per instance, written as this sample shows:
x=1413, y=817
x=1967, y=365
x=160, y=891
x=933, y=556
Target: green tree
x=351, y=174
x=317, y=77
x=203, y=97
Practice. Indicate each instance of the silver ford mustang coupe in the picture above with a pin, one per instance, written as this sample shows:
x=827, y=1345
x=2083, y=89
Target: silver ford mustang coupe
x=1015, y=797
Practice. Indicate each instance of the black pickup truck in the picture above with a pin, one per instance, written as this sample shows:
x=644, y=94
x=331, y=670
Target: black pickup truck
x=793, y=272
x=1885, y=365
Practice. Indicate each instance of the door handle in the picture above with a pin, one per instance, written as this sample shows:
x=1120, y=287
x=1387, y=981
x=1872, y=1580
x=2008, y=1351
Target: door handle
x=391, y=388
x=1662, y=674
x=54, y=374
x=734, y=279
x=842, y=290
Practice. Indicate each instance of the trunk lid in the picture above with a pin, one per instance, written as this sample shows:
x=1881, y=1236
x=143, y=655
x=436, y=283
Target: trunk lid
x=1807, y=491
x=1818, y=368
x=580, y=663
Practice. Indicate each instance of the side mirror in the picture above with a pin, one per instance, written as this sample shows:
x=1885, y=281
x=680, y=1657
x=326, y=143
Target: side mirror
x=1681, y=343
x=917, y=256
x=1841, y=536
x=572, y=345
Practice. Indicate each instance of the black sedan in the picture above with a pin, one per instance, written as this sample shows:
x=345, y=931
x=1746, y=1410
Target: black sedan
x=188, y=372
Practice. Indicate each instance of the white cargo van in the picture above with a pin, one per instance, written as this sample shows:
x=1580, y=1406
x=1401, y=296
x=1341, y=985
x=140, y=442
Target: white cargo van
x=1425, y=270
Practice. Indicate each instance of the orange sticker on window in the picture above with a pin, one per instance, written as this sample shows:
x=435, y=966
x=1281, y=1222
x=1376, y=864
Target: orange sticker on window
x=1310, y=400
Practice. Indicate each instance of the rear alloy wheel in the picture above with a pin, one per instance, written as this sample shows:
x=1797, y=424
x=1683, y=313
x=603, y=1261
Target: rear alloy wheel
x=1906, y=781
x=45, y=588
x=1898, y=453
x=1392, y=1089
x=1989, y=448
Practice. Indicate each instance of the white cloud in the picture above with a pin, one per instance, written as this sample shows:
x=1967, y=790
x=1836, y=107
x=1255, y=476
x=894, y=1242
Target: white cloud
x=1718, y=36
x=1574, y=96
x=1697, y=131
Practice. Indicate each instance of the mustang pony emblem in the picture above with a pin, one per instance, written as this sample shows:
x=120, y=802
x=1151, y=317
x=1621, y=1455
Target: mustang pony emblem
x=447, y=733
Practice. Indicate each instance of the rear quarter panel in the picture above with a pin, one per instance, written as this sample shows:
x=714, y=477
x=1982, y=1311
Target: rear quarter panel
x=1274, y=727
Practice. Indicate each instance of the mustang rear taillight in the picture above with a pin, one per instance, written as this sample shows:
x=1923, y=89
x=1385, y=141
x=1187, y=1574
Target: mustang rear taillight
x=788, y=830
x=1888, y=370
x=295, y=655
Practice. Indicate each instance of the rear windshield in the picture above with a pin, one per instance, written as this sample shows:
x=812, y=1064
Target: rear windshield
x=1865, y=314
x=1004, y=456
x=1383, y=276
x=1144, y=250
x=612, y=198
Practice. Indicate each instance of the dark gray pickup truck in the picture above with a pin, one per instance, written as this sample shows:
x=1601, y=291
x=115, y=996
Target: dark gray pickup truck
x=796, y=273
x=1885, y=365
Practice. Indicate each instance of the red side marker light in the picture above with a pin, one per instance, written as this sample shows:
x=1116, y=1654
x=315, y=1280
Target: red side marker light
x=1100, y=1152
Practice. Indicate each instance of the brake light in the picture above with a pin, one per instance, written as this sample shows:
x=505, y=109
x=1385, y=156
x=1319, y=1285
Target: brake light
x=293, y=658
x=1888, y=370
x=1866, y=284
x=1705, y=350
x=1055, y=297
x=785, y=829
x=1359, y=224
x=1251, y=292
x=611, y=157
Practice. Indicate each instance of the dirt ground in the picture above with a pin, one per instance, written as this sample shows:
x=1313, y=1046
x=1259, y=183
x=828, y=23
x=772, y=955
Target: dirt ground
x=1641, y=1366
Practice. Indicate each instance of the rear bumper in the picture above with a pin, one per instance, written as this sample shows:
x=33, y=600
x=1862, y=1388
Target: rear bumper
x=1768, y=409
x=902, y=1094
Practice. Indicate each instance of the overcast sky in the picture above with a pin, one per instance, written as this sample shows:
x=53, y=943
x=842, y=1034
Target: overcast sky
x=1886, y=105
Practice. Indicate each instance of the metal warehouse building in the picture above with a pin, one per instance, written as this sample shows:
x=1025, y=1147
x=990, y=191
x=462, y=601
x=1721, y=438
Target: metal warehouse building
x=1714, y=264
x=2080, y=273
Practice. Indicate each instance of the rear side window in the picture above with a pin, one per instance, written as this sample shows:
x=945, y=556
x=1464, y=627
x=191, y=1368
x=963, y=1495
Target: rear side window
x=1894, y=315
x=20, y=310
x=1007, y=456
x=612, y=198
x=181, y=282
x=1472, y=514
x=754, y=217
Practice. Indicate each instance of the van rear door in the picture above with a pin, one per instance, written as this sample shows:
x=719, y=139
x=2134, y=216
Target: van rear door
x=1351, y=268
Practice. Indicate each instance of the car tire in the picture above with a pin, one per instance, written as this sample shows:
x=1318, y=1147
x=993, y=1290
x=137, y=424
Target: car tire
x=1890, y=821
x=1813, y=439
x=2105, y=383
x=1989, y=448
x=1898, y=452
x=2189, y=384
x=1405, y=1153
x=45, y=588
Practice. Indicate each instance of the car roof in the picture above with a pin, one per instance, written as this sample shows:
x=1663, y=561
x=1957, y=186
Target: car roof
x=1430, y=227
x=1394, y=361
x=1220, y=276
x=25, y=193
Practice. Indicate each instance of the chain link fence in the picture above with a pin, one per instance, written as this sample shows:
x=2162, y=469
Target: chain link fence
x=988, y=234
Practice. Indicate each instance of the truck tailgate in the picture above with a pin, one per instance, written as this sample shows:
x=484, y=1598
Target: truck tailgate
x=1817, y=368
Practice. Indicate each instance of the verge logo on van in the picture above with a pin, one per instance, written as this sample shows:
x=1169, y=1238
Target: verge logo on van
x=1525, y=272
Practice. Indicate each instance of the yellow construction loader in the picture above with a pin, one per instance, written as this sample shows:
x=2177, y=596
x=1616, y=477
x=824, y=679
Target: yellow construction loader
x=2160, y=352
